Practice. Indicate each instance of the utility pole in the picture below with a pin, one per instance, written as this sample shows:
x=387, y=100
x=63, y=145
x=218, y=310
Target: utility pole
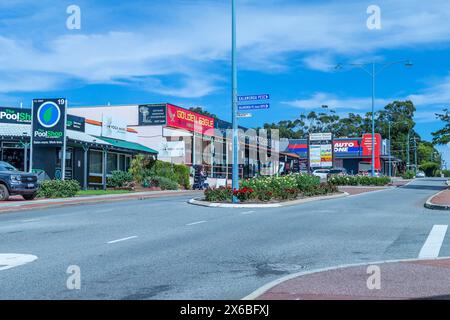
x=407, y=152
x=415, y=155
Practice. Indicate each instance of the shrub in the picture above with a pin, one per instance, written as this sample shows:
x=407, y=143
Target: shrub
x=408, y=175
x=359, y=181
x=162, y=182
x=446, y=173
x=429, y=168
x=59, y=189
x=175, y=172
x=138, y=168
x=222, y=194
x=272, y=188
x=119, y=179
x=182, y=175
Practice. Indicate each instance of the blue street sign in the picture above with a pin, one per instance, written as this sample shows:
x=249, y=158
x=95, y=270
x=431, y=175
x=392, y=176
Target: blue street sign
x=254, y=106
x=254, y=97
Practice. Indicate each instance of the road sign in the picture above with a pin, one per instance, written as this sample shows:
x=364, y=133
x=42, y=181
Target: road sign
x=244, y=115
x=254, y=97
x=254, y=106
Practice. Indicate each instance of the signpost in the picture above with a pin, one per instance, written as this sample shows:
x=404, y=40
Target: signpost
x=320, y=150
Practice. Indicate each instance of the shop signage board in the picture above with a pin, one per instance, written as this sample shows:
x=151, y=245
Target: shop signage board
x=347, y=147
x=152, y=114
x=321, y=150
x=76, y=123
x=185, y=119
x=15, y=115
x=114, y=128
x=172, y=149
x=48, y=124
x=367, y=148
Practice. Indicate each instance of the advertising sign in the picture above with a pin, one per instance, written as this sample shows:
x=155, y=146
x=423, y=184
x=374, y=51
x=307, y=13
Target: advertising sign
x=367, y=148
x=15, y=115
x=114, y=128
x=321, y=150
x=184, y=119
x=152, y=114
x=346, y=147
x=75, y=123
x=49, y=117
x=171, y=149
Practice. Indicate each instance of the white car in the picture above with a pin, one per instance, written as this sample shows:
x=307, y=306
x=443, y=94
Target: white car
x=321, y=173
x=420, y=174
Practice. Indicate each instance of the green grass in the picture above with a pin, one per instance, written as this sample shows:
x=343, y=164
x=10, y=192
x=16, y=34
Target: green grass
x=100, y=192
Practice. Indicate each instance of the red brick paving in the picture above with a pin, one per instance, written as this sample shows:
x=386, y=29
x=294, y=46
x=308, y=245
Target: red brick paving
x=442, y=198
x=399, y=280
x=358, y=190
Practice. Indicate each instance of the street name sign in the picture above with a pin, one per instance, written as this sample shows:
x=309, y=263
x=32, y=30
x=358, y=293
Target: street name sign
x=254, y=106
x=254, y=97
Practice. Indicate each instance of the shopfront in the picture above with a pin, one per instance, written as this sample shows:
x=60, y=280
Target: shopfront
x=90, y=158
x=353, y=154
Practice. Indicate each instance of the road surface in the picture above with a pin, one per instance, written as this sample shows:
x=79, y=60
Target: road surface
x=167, y=249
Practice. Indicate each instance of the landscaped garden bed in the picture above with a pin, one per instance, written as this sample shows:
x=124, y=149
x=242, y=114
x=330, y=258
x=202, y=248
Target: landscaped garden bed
x=272, y=190
x=359, y=181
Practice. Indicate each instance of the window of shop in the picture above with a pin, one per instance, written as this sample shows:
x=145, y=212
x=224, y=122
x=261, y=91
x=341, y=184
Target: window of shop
x=95, y=167
x=112, y=163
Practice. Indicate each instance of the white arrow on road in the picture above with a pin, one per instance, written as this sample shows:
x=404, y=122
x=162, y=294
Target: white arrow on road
x=11, y=260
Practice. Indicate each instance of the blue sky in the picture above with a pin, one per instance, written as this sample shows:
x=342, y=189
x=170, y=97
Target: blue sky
x=142, y=51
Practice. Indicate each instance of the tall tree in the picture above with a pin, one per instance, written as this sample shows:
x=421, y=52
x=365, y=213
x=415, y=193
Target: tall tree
x=443, y=136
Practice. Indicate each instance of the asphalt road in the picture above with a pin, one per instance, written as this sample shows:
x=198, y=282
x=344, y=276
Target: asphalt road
x=167, y=249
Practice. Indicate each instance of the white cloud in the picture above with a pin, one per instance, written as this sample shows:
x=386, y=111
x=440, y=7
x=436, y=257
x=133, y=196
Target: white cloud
x=192, y=37
x=318, y=99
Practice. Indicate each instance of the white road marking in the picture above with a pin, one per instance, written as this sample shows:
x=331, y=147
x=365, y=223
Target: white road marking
x=31, y=220
x=248, y=212
x=11, y=260
x=120, y=240
x=194, y=223
x=433, y=244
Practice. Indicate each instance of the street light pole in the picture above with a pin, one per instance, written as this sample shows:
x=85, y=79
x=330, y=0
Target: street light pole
x=235, y=167
x=389, y=151
x=373, y=119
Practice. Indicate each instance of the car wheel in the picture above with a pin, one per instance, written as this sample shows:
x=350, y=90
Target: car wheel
x=4, y=193
x=29, y=196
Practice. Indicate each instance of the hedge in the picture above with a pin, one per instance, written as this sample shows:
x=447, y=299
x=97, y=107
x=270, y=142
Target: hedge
x=161, y=182
x=265, y=189
x=359, y=181
x=58, y=189
x=119, y=179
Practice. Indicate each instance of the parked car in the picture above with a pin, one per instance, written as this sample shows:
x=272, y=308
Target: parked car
x=321, y=173
x=15, y=182
x=420, y=174
x=377, y=173
x=338, y=172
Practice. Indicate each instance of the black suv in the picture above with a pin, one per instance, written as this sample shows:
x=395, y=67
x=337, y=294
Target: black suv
x=15, y=182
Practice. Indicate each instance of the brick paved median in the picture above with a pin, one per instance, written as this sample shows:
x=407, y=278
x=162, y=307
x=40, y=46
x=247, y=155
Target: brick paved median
x=442, y=198
x=419, y=279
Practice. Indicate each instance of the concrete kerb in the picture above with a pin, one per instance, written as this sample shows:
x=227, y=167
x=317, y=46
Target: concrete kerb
x=434, y=206
x=264, y=289
x=203, y=203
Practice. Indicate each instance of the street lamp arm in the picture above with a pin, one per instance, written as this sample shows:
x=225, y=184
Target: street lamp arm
x=387, y=65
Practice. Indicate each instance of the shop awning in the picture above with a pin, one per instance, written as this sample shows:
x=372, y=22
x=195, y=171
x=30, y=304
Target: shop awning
x=122, y=144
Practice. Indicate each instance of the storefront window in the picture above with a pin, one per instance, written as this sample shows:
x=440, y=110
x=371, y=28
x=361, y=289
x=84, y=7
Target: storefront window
x=122, y=162
x=95, y=162
x=112, y=163
x=127, y=163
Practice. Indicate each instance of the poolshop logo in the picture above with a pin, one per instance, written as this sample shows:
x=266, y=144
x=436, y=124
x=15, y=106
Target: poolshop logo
x=48, y=134
x=15, y=116
x=48, y=114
